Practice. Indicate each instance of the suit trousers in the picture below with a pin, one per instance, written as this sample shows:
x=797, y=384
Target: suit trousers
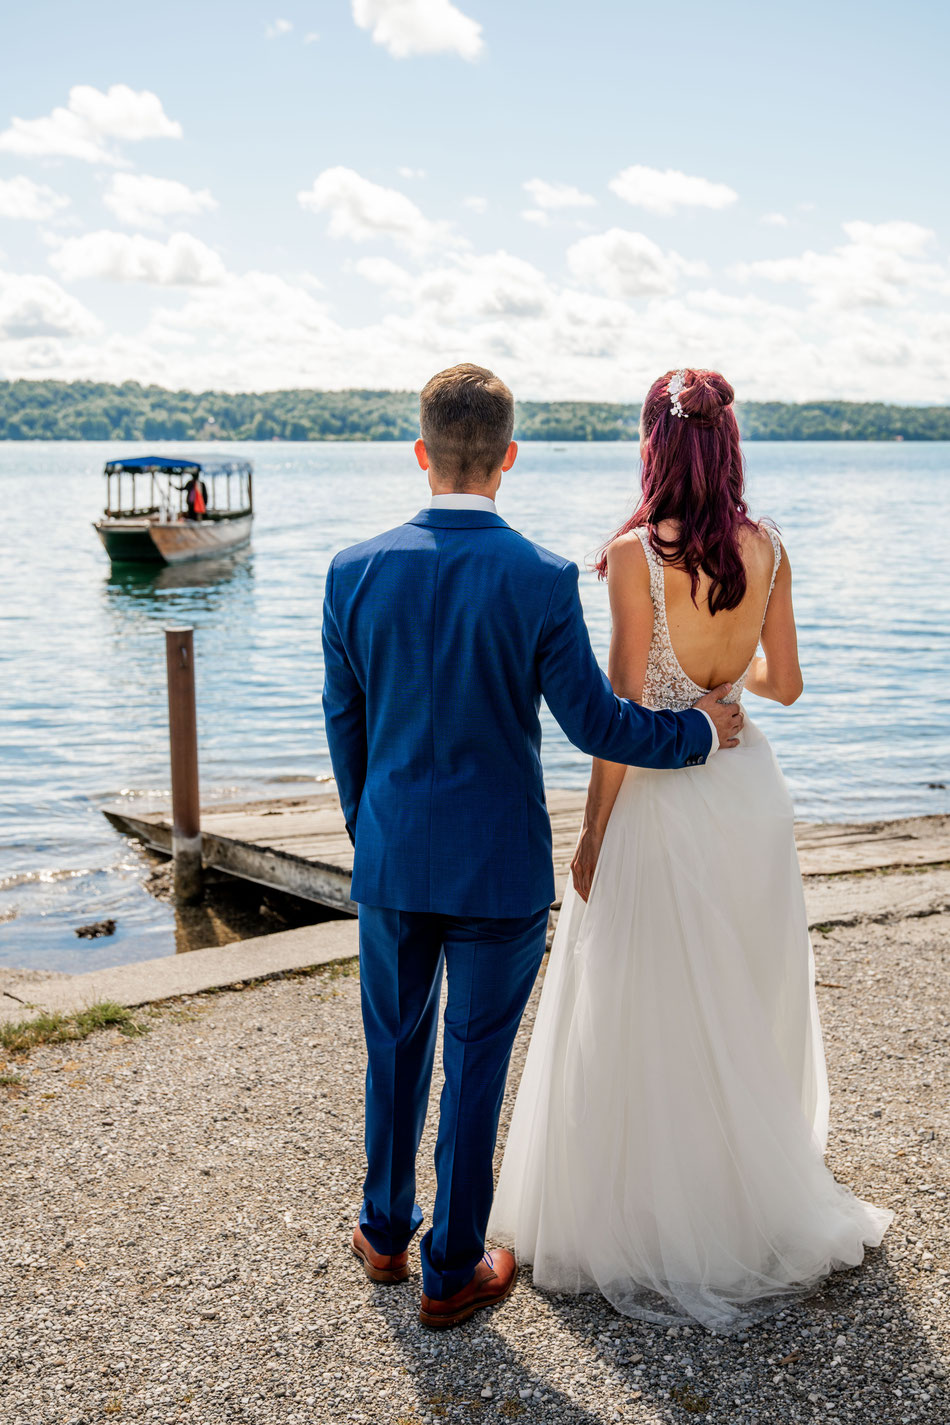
x=490, y=966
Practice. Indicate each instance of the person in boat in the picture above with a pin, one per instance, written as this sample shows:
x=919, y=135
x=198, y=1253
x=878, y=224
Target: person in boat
x=196, y=497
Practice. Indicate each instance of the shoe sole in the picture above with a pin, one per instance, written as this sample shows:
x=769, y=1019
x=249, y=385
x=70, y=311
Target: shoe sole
x=385, y=1276
x=439, y=1322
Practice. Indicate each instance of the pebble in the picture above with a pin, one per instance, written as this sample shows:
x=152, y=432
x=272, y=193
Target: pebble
x=192, y=1265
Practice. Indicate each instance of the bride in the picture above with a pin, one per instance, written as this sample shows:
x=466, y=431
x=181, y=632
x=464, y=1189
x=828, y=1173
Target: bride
x=667, y=1141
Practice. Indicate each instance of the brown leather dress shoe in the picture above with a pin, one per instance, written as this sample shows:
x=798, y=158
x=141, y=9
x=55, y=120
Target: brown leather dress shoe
x=377, y=1267
x=493, y=1282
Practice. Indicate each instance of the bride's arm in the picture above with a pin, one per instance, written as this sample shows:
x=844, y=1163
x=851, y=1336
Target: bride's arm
x=778, y=674
x=631, y=611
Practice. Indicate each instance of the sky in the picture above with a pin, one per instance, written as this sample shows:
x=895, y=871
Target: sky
x=339, y=193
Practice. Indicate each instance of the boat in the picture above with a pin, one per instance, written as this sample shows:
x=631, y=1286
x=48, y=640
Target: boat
x=147, y=519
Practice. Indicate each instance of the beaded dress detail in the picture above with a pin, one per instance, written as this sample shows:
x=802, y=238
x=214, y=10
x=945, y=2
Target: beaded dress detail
x=666, y=685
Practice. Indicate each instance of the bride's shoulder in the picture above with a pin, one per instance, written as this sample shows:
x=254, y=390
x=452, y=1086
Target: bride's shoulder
x=759, y=539
x=626, y=558
x=763, y=553
x=626, y=550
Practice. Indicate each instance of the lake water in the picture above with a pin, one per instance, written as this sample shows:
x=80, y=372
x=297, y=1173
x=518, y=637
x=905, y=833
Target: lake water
x=82, y=694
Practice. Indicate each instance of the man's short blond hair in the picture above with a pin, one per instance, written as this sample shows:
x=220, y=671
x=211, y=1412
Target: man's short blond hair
x=466, y=416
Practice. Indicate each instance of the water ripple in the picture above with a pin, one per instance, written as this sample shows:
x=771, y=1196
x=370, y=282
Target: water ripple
x=82, y=696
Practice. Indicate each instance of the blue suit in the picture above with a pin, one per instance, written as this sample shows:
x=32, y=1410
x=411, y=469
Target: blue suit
x=440, y=639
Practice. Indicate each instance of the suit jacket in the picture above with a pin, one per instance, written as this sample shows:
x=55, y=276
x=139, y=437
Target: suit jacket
x=440, y=639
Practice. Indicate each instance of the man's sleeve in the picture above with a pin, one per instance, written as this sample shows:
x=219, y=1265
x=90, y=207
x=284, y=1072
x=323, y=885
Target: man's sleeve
x=598, y=722
x=344, y=711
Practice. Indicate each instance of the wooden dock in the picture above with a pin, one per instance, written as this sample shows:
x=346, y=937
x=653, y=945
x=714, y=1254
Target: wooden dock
x=299, y=844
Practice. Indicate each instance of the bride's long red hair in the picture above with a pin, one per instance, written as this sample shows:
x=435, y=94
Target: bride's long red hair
x=693, y=474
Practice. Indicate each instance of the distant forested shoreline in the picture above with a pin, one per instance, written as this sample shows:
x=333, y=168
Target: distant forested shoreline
x=93, y=410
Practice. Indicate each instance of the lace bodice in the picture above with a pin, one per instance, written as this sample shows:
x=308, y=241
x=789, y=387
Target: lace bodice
x=666, y=685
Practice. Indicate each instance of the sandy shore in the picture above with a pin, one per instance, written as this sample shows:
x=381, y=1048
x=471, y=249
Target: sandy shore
x=176, y=1212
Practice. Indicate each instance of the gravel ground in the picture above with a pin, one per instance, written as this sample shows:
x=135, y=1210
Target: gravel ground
x=175, y=1213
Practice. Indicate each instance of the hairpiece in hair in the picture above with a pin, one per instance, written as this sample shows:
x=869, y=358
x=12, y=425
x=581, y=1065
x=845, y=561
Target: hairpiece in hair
x=677, y=384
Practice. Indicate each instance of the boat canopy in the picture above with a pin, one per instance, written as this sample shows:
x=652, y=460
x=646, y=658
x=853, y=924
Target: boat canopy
x=176, y=465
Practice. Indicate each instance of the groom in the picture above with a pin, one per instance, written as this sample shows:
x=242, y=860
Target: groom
x=440, y=639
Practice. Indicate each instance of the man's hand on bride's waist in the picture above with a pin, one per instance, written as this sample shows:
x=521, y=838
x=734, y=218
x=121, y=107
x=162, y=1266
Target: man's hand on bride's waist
x=726, y=717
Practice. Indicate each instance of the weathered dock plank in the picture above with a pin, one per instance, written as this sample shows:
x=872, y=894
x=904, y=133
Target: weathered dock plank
x=298, y=844
x=825, y=850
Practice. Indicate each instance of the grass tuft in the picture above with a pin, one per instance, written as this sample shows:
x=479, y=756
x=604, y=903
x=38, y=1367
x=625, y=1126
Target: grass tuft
x=27, y=1034
x=107, y=1015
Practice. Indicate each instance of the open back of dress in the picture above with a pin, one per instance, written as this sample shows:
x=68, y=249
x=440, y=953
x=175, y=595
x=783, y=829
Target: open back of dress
x=667, y=684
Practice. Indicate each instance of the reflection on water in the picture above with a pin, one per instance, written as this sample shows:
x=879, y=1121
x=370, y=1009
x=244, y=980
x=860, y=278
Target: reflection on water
x=83, y=716
x=143, y=579
x=208, y=594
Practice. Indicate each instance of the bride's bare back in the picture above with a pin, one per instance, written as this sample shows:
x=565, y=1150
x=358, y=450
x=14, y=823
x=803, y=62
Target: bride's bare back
x=718, y=648
x=710, y=649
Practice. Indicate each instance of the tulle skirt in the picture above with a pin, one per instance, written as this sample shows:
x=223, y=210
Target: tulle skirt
x=667, y=1142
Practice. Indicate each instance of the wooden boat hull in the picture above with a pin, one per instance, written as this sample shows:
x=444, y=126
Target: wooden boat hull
x=148, y=541
x=200, y=539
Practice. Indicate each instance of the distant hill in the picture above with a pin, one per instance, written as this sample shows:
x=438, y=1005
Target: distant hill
x=92, y=410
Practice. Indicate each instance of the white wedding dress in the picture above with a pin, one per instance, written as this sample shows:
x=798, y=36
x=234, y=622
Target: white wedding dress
x=667, y=1141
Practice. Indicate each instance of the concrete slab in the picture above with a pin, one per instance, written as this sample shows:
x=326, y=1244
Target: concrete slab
x=840, y=848
x=845, y=900
x=831, y=900
x=172, y=975
x=12, y=1009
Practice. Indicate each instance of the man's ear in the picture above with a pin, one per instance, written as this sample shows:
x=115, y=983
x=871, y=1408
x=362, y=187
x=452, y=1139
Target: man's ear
x=511, y=455
x=422, y=455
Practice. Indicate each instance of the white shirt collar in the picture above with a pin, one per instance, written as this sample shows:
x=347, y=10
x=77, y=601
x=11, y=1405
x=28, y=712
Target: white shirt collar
x=462, y=502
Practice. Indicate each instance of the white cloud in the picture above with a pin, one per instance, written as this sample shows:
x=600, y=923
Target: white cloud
x=182, y=261
x=405, y=172
x=625, y=264
x=557, y=195
x=408, y=27
x=278, y=28
x=878, y=267
x=254, y=329
x=663, y=191
x=537, y=216
x=123, y=113
x=246, y=305
x=476, y=203
x=382, y=272
x=488, y=286
x=139, y=200
x=37, y=307
x=259, y=331
x=908, y=238
x=774, y=220
x=91, y=117
x=867, y=319
x=311, y=37
x=363, y=211
x=20, y=197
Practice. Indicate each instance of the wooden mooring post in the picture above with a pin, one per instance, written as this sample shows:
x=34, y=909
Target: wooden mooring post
x=183, y=740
